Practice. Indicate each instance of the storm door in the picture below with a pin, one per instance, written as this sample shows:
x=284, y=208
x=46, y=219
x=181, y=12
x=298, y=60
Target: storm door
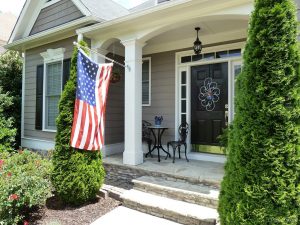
x=209, y=103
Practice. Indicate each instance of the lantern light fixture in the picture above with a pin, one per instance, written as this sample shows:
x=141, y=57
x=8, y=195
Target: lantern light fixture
x=197, y=43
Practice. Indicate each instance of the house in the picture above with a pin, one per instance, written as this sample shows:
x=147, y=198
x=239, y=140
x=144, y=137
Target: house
x=164, y=75
x=7, y=21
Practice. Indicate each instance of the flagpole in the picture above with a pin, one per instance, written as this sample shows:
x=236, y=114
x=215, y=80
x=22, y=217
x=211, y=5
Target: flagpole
x=103, y=56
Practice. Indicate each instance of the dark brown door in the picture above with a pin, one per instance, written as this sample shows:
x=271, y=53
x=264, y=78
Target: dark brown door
x=209, y=102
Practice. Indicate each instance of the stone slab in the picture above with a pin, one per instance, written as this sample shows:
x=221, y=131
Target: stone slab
x=179, y=189
x=178, y=209
x=126, y=216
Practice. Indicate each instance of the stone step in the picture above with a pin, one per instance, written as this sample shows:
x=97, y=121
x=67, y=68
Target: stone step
x=178, y=211
x=113, y=191
x=178, y=189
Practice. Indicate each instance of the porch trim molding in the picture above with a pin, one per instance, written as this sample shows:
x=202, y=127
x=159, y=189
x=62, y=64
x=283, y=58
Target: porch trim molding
x=23, y=93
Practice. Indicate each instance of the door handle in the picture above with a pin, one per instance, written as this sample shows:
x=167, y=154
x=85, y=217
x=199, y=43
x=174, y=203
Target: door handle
x=226, y=118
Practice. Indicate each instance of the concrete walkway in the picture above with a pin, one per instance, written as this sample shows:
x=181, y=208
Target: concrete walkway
x=126, y=216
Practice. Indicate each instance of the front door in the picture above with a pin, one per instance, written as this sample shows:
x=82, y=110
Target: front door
x=209, y=103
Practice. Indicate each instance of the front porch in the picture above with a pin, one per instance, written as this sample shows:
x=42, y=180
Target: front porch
x=194, y=171
x=171, y=80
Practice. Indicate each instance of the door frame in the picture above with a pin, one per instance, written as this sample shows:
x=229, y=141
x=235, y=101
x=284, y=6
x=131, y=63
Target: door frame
x=180, y=67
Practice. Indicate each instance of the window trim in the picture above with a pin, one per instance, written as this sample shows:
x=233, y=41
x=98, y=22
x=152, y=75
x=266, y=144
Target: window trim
x=51, y=56
x=149, y=59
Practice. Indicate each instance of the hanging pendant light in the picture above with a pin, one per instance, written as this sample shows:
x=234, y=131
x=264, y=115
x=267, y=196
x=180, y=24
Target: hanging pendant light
x=197, y=43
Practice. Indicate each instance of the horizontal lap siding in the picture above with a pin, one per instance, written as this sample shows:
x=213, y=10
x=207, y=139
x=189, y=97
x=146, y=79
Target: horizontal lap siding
x=162, y=92
x=114, y=119
x=57, y=14
x=33, y=58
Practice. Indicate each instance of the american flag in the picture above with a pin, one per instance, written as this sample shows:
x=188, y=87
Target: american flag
x=92, y=87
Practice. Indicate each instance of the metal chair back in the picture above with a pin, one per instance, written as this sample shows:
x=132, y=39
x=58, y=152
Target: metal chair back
x=183, y=131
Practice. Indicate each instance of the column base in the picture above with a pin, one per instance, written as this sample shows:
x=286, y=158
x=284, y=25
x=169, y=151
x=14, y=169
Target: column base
x=133, y=158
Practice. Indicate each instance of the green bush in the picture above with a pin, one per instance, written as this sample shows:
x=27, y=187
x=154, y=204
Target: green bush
x=262, y=174
x=7, y=130
x=77, y=175
x=11, y=83
x=24, y=184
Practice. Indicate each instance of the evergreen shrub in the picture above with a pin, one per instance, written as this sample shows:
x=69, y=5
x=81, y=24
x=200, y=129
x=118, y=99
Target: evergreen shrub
x=11, y=84
x=261, y=182
x=77, y=174
x=7, y=129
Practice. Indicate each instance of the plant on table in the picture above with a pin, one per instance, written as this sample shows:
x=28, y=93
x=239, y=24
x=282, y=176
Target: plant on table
x=24, y=184
x=262, y=173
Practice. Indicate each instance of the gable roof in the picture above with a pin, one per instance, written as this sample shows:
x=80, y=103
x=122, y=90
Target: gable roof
x=96, y=10
x=105, y=9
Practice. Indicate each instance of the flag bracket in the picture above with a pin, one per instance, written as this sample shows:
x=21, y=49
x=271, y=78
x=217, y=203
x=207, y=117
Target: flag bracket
x=103, y=56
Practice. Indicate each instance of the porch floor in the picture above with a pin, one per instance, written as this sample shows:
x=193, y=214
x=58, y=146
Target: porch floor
x=201, y=171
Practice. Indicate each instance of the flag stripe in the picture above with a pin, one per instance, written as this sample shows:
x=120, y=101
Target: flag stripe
x=81, y=120
x=78, y=112
x=93, y=127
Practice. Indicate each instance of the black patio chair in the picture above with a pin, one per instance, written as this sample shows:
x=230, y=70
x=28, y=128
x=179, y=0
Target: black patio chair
x=183, y=131
x=146, y=135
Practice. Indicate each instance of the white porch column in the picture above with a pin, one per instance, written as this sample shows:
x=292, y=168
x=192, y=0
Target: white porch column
x=133, y=153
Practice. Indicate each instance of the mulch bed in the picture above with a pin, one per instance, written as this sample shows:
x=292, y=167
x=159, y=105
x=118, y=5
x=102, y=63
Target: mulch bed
x=55, y=213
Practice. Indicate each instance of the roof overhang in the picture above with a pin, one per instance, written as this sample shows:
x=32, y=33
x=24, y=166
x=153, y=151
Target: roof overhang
x=53, y=34
x=166, y=14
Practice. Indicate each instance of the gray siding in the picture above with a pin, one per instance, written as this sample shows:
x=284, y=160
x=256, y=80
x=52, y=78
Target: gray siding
x=54, y=15
x=114, y=117
x=162, y=92
x=33, y=58
x=162, y=95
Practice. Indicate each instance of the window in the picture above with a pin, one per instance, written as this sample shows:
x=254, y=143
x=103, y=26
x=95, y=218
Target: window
x=53, y=90
x=52, y=87
x=146, y=82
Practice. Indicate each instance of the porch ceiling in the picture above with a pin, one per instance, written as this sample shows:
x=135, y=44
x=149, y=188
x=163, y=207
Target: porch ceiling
x=174, y=22
x=212, y=31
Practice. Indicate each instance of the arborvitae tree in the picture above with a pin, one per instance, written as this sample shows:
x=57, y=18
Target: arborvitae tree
x=261, y=183
x=7, y=130
x=77, y=174
x=11, y=83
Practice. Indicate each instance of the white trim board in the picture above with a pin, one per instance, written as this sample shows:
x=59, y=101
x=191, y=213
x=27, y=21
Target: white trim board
x=51, y=56
x=23, y=93
x=46, y=145
x=37, y=144
x=149, y=91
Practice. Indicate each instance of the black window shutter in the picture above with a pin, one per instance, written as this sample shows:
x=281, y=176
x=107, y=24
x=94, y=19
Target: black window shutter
x=39, y=97
x=66, y=72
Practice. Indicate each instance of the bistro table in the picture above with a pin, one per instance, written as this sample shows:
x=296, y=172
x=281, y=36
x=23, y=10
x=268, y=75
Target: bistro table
x=157, y=140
